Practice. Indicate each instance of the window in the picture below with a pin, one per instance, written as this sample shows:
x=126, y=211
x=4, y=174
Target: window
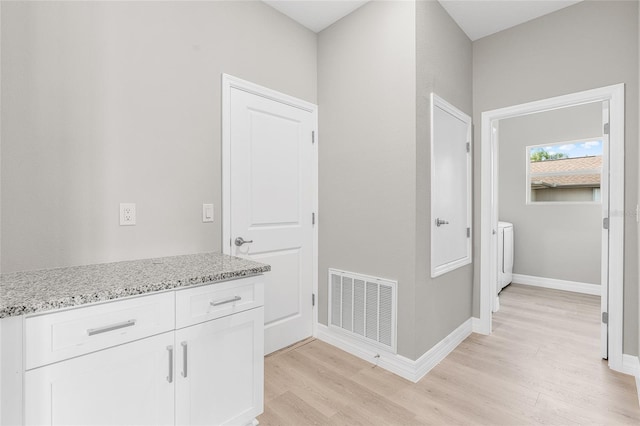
x=564, y=172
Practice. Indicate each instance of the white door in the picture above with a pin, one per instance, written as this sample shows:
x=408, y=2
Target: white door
x=450, y=187
x=129, y=384
x=604, y=197
x=219, y=370
x=271, y=195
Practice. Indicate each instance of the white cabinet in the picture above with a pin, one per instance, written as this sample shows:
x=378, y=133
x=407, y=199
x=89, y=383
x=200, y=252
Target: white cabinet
x=200, y=304
x=220, y=370
x=125, y=385
x=127, y=363
x=65, y=334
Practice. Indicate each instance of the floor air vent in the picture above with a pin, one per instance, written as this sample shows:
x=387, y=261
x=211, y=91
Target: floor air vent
x=364, y=307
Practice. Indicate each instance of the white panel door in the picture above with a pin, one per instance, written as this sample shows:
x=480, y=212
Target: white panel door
x=604, y=197
x=271, y=201
x=220, y=370
x=131, y=384
x=450, y=188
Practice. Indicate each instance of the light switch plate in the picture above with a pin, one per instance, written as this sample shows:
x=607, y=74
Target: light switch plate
x=207, y=212
x=127, y=214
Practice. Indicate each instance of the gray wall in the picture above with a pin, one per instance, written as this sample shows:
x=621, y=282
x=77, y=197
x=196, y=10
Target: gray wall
x=115, y=102
x=588, y=45
x=560, y=241
x=377, y=68
x=367, y=176
x=444, y=66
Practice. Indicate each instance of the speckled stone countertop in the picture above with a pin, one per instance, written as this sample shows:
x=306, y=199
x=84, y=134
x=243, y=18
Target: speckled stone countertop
x=47, y=289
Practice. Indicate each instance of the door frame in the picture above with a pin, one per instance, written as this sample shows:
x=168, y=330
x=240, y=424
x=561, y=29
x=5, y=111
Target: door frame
x=230, y=82
x=489, y=205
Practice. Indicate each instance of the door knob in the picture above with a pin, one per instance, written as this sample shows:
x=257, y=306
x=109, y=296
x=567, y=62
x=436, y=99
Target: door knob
x=440, y=222
x=240, y=241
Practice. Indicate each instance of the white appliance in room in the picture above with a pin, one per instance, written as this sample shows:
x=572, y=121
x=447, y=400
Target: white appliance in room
x=505, y=254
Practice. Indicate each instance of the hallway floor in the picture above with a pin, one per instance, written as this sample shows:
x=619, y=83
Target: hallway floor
x=541, y=365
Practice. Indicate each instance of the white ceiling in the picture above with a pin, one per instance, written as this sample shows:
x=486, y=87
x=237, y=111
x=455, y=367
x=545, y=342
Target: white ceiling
x=480, y=18
x=477, y=18
x=316, y=14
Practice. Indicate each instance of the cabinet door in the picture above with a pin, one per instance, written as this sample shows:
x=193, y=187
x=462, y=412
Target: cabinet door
x=124, y=385
x=220, y=369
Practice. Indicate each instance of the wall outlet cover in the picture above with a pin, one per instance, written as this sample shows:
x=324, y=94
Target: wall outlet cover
x=127, y=214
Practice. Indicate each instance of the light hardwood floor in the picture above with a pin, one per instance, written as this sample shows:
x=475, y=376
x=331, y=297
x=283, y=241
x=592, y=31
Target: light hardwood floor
x=541, y=365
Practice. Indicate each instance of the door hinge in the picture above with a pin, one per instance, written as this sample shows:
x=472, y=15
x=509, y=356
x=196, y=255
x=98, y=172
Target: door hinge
x=468, y=146
x=313, y=136
x=313, y=218
x=606, y=129
x=468, y=232
x=605, y=317
x=605, y=223
x=313, y=299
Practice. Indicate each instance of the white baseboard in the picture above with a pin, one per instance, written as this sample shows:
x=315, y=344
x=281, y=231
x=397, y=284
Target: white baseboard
x=397, y=364
x=476, y=325
x=572, y=286
x=631, y=366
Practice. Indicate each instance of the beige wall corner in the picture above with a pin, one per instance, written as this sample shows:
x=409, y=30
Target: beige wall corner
x=366, y=98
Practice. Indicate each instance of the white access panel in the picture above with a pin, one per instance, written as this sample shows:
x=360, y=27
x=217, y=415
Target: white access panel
x=450, y=187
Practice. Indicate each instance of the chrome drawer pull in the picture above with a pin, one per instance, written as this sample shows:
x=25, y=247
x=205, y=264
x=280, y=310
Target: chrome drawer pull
x=222, y=302
x=184, y=359
x=170, y=376
x=93, y=331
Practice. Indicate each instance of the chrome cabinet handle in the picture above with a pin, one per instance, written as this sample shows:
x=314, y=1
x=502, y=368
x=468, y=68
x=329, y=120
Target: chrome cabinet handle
x=240, y=241
x=94, y=331
x=170, y=376
x=222, y=302
x=440, y=222
x=184, y=359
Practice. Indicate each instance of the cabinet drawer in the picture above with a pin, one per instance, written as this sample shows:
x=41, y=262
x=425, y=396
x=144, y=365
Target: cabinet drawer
x=61, y=335
x=199, y=304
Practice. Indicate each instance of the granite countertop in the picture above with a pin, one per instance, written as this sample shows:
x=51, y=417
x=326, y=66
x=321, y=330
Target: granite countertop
x=48, y=289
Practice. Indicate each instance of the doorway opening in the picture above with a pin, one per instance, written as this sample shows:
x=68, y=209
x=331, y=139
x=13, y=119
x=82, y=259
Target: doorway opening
x=611, y=192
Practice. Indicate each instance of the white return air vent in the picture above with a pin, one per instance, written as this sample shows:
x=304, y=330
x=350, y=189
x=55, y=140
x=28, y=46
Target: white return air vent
x=363, y=307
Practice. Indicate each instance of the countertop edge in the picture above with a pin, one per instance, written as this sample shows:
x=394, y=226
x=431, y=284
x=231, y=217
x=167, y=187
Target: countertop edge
x=74, y=301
